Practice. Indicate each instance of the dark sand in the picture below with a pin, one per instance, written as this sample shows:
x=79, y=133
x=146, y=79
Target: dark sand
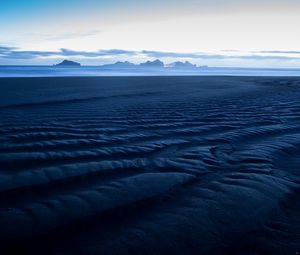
x=150, y=165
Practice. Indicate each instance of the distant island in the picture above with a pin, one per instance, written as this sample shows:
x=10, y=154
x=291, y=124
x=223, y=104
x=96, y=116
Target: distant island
x=156, y=63
x=182, y=65
x=148, y=65
x=68, y=63
x=119, y=64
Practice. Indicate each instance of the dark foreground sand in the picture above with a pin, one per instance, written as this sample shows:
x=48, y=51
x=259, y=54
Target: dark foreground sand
x=150, y=165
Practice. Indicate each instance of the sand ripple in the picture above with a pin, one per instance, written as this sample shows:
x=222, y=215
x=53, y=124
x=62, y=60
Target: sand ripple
x=149, y=165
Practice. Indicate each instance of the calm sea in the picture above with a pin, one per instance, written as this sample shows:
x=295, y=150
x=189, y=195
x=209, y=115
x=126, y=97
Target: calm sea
x=48, y=71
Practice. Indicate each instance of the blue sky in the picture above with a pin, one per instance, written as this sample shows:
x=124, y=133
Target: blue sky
x=216, y=32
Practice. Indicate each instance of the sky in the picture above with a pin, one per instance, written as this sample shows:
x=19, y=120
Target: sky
x=240, y=33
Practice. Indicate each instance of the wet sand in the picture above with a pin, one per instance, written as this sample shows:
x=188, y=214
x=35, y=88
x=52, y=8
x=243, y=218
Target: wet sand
x=150, y=165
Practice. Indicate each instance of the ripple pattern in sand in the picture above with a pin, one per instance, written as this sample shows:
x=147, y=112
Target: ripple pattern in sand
x=201, y=165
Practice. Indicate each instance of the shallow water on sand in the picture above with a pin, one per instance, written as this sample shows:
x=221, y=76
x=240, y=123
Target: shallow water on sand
x=150, y=165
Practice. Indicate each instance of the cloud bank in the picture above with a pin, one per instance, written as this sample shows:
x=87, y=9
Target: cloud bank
x=7, y=52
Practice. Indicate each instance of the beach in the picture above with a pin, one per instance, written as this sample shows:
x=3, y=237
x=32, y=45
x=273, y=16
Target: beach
x=150, y=165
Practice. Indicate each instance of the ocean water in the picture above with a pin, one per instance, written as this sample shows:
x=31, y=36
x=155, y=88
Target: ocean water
x=150, y=165
x=49, y=71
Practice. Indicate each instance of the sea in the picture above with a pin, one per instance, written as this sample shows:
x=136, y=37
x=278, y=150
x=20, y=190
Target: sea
x=51, y=71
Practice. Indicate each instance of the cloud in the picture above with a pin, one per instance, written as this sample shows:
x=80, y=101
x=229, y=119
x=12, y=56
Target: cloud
x=99, y=53
x=159, y=54
x=202, y=55
x=63, y=36
x=17, y=53
x=6, y=50
x=67, y=36
x=278, y=52
x=268, y=57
